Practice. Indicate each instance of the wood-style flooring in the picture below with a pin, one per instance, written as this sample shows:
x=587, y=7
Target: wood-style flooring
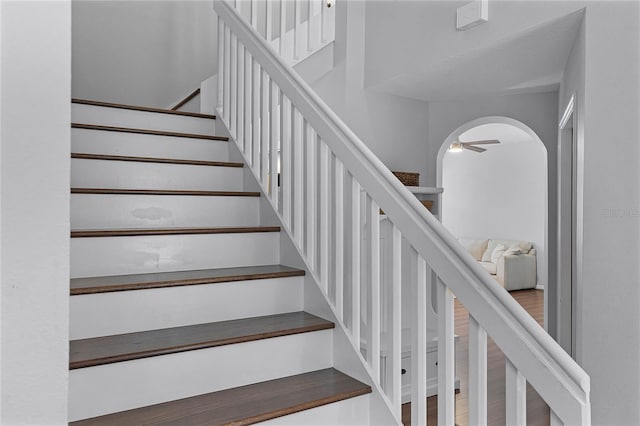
x=537, y=410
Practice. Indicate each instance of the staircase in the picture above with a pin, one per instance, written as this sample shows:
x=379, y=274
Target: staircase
x=180, y=310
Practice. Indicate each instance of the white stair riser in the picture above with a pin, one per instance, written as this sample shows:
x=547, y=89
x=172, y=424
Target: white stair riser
x=94, y=257
x=120, y=117
x=108, y=211
x=139, y=145
x=129, y=174
x=349, y=412
x=94, y=315
x=121, y=386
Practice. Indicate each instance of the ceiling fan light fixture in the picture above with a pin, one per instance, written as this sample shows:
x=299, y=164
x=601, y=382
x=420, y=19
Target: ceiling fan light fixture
x=455, y=147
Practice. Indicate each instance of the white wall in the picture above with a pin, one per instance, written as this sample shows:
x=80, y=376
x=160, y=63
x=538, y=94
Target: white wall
x=151, y=53
x=499, y=193
x=393, y=127
x=608, y=95
x=34, y=199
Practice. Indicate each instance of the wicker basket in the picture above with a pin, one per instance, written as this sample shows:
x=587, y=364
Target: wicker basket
x=408, y=178
x=428, y=204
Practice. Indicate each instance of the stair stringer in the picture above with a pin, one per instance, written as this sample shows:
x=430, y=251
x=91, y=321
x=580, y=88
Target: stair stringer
x=346, y=355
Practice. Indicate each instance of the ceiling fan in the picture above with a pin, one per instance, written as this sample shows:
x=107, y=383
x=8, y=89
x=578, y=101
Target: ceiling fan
x=471, y=146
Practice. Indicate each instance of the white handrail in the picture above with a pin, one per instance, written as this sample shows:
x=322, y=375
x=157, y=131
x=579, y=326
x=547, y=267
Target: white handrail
x=557, y=378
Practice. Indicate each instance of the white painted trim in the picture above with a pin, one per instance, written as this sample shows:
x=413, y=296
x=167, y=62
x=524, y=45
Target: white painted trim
x=570, y=118
x=568, y=111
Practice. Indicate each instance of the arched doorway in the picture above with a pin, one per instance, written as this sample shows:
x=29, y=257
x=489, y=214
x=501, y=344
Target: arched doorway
x=501, y=193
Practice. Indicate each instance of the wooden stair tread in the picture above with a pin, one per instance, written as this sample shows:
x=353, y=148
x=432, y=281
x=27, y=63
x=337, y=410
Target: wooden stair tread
x=126, y=191
x=182, y=278
x=244, y=405
x=130, y=346
x=155, y=160
x=85, y=233
x=140, y=108
x=147, y=131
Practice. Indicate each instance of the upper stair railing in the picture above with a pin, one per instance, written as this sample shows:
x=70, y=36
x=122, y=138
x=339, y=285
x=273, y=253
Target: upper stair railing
x=327, y=188
x=293, y=28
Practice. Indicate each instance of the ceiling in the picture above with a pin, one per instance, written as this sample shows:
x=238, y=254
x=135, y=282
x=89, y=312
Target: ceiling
x=531, y=61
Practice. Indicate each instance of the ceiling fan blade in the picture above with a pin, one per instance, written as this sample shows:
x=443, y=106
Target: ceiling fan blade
x=483, y=142
x=473, y=148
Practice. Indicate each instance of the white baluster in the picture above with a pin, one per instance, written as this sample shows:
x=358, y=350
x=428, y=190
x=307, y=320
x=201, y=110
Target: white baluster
x=477, y=373
x=419, y=344
x=373, y=351
x=283, y=27
x=255, y=149
x=307, y=42
x=323, y=21
x=285, y=168
x=355, y=261
x=276, y=108
x=446, y=356
x=311, y=148
x=298, y=184
x=338, y=203
x=241, y=87
x=254, y=14
x=297, y=11
x=269, y=21
x=315, y=23
x=396, y=318
x=233, y=90
x=265, y=132
x=248, y=97
x=221, y=26
x=227, y=73
x=324, y=216
x=328, y=23
x=516, y=396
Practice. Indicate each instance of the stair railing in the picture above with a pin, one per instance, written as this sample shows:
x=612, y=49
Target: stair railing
x=293, y=28
x=327, y=188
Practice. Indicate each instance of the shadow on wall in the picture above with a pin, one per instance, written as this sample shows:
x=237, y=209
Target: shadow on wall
x=500, y=193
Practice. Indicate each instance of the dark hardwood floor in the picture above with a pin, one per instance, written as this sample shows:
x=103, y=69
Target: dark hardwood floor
x=537, y=410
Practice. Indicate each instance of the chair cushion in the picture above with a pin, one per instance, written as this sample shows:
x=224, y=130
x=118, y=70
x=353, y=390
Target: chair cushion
x=489, y=267
x=475, y=247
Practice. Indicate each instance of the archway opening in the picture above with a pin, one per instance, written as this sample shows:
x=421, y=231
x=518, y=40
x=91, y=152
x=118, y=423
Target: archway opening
x=499, y=195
